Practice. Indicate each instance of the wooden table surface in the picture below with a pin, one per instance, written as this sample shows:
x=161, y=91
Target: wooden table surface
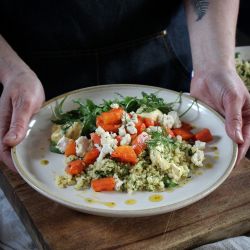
x=222, y=214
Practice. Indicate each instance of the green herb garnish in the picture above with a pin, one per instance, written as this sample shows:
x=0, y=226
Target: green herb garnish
x=53, y=148
x=160, y=138
x=169, y=183
x=148, y=103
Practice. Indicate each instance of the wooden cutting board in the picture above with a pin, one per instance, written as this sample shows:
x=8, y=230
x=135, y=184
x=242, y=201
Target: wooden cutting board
x=222, y=214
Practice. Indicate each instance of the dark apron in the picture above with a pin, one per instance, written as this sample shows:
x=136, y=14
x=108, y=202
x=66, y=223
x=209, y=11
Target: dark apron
x=74, y=44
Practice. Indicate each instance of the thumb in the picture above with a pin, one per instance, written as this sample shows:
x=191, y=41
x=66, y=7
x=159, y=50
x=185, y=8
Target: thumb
x=19, y=122
x=233, y=117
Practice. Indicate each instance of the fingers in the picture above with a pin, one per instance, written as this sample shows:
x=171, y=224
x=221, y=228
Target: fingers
x=246, y=134
x=5, y=156
x=22, y=111
x=5, y=118
x=243, y=147
x=233, y=106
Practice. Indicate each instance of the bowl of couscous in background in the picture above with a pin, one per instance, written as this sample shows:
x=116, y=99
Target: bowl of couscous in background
x=242, y=59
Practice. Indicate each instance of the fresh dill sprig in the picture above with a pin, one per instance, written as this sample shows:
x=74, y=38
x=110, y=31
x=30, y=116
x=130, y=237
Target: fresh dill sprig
x=159, y=138
x=58, y=111
x=193, y=102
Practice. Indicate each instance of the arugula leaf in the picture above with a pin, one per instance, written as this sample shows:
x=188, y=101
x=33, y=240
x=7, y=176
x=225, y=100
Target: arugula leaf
x=87, y=112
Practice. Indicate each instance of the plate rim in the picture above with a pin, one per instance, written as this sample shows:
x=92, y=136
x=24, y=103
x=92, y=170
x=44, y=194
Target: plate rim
x=124, y=213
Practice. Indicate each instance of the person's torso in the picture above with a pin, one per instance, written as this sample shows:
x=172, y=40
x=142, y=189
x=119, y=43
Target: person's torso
x=80, y=24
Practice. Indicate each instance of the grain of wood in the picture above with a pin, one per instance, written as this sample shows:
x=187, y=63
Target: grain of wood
x=224, y=213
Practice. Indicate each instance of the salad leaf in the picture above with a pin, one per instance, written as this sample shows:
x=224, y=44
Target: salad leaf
x=87, y=112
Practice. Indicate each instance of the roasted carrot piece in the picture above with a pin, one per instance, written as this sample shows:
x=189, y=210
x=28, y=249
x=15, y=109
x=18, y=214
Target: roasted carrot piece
x=95, y=138
x=107, y=127
x=91, y=156
x=140, y=127
x=103, y=184
x=99, y=120
x=186, y=135
x=170, y=132
x=133, y=136
x=113, y=116
x=186, y=126
x=140, y=120
x=76, y=167
x=149, y=122
x=111, y=127
x=125, y=154
x=70, y=148
x=204, y=135
x=139, y=143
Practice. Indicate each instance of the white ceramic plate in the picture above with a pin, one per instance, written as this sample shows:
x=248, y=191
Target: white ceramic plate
x=28, y=154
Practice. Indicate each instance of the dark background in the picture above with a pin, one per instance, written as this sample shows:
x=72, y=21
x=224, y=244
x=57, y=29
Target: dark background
x=243, y=27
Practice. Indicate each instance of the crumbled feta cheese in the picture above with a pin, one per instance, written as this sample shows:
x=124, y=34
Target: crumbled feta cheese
x=62, y=143
x=106, y=138
x=118, y=182
x=197, y=158
x=82, y=144
x=106, y=149
x=113, y=135
x=154, y=129
x=131, y=128
x=125, y=118
x=177, y=122
x=122, y=131
x=125, y=140
x=134, y=117
x=114, y=105
x=108, y=143
x=200, y=145
x=100, y=130
x=166, y=120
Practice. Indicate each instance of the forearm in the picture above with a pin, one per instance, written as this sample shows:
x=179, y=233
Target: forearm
x=212, y=37
x=10, y=63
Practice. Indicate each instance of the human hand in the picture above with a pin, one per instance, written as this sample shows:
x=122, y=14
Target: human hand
x=22, y=96
x=222, y=89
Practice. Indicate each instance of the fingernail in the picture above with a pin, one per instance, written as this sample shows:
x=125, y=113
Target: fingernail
x=11, y=137
x=239, y=135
